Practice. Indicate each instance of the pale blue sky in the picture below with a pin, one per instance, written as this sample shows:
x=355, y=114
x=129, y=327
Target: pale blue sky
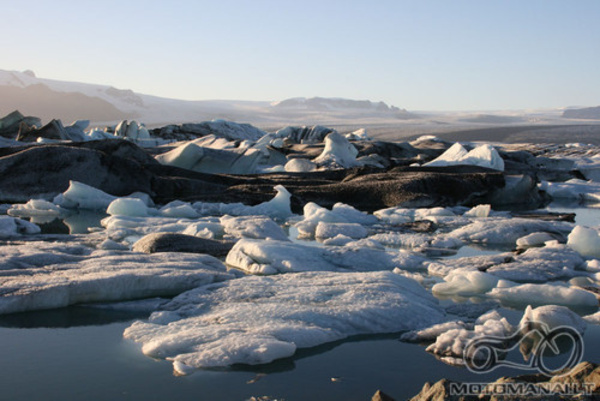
x=419, y=55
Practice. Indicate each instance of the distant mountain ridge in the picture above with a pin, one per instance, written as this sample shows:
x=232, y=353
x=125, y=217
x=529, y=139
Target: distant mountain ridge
x=321, y=103
x=104, y=104
x=587, y=113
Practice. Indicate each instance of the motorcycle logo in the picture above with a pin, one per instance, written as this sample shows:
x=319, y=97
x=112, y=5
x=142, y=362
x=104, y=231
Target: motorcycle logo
x=535, y=340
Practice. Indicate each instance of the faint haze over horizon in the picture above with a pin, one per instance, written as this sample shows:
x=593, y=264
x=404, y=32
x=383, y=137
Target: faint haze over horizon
x=418, y=55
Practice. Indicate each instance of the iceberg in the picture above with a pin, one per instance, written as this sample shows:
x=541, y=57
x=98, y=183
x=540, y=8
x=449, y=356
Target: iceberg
x=82, y=196
x=469, y=282
x=45, y=276
x=257, y=227
x=585, y=240
x=128, y=207
x=338, y=152
x=11, y=226
x=553, y=316
x=545, y=294
x=326, y=230
x=255, y=319
x=271, y=257
x=483, y=156
x=36, y=208
x=585, y=191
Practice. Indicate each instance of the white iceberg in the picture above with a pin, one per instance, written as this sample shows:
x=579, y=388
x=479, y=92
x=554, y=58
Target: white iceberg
x=572, y=189
x=338, y=152
x=544, y=294
x=255, y=320
x=36, y=208
x=298, y=165
x=270, y=257
x=469, y=282
x=257, y=227
x=128, y=207
x=553, y=316
x=82, y=196
x=507, y=231
x=585, y=240
x=327, y=230
x=10, y=226
x=482, y=156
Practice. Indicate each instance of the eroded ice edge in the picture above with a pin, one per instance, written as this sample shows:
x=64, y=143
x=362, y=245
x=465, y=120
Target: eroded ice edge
x=342, y=272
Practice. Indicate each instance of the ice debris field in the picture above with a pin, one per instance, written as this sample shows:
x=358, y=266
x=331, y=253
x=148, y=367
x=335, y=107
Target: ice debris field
x=251, y=284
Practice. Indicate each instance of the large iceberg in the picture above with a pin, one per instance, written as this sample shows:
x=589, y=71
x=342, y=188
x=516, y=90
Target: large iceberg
x=256, y=319
x=338, y=152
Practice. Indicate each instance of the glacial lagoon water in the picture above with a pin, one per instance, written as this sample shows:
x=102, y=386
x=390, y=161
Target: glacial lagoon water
x=79, y=353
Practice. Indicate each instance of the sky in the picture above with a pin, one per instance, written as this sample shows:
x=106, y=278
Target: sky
x=418, y=55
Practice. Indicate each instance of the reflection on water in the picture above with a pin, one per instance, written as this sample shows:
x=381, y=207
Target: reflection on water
x=77, y=222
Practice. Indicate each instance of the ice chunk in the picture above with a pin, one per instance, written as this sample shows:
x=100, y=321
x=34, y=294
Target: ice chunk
x=507, y=231
x=553, y=316
x=534, y=239
x=10, y=226
x=585, y=240
x=338, y=240
x=483, y=156
x=269, y=257
x=35, y=208
x=278, y=207
x=552, y=262
x=128, y=207
x=340, y=213
x=82, y=196
x=338, y=152
x=461, y=282
x=479, y=211
x=544, y=294
x=255, y=319
x=46, y=276
x=452, y=343
x=431, y=333
x=178, y=209
x=572, y=189
x=257, y=227
x=326, y=230
x=298, y=165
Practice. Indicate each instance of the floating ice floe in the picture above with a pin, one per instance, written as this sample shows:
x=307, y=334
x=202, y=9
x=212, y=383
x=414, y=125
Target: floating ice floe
x=338, y=152
x=544, y=294
x=340, y=213
x=10, y=226
x=534, y=239
x=443, y=267
x=537, y=265
x=500, y=231
x=257, y=227
x=326, y=230
x=469, y=282
x=482, y=155
x=128, y=207
x=36, y=208
x=572, y=189
x=585, y=240
x=40, y=275
x=255, y=320
x=270, y=257
x=178, y=209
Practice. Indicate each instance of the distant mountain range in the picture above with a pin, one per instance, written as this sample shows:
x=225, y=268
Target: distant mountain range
x=587, y=113
x=68, y=101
